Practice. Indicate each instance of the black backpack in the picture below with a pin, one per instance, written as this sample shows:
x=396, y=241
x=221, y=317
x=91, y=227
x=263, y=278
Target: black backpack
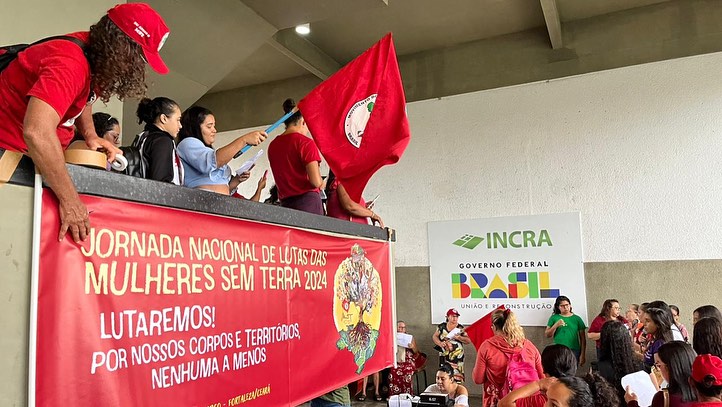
x=8, y=53
x=137, y=163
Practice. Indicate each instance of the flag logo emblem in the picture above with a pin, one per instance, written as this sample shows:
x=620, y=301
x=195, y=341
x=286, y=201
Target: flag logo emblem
x=357, y=118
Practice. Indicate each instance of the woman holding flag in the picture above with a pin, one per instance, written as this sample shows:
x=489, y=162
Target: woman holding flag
x=295, y=161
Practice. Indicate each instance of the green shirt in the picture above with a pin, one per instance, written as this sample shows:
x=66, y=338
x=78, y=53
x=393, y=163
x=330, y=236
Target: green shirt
x=567, y=335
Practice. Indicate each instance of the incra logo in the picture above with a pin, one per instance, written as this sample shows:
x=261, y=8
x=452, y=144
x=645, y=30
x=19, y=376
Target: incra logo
x=504, y=240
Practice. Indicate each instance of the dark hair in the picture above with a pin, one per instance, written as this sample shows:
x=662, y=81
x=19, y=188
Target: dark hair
x=558, y=301
x=707, y=388
x=103, y=123
x=149, y=110
x=674, y=307
x=707, y=337
x=678, y=356
x=446, y=368
x=706, y=311
x=592, y=390
x=616, y=347
x=288, y=105
x=329, y=181
x=662, y=320
x=559, y=361
x=273, y=197
x=607, y=307
x=643, y=307
x=191, y=121
x=116, y=62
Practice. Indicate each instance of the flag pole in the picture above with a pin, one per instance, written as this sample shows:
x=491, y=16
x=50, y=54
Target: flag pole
x=269, y=129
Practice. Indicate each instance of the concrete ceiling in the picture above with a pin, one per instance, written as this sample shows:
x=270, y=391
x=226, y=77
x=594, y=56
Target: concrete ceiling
x=342, y=29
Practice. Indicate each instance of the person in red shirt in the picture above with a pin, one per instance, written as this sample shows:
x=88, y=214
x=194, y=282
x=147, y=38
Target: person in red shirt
x=295, y=161
x=707, y=380
x=341, y=206
x=610, y=312
x=49, y=87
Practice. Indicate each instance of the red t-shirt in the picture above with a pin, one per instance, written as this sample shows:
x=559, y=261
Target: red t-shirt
x=334, y=209
x=598, y=322
x=288, y=155
x=55, y=72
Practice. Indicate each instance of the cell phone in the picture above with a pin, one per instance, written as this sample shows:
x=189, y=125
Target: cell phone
x=373, y=201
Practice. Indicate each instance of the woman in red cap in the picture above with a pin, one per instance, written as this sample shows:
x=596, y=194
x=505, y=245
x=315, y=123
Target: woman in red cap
x=450, y=339
x=48, y=89
x=707, y=380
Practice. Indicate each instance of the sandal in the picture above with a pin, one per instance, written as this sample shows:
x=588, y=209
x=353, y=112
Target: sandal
x=378, y=398
x=361, y=397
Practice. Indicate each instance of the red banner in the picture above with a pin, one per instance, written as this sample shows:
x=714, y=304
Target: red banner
x=170, y=307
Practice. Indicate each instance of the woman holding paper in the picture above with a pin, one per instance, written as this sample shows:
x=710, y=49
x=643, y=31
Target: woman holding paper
x=400, y=376
x=204, y=167
x=450, y=339
x=674, y=361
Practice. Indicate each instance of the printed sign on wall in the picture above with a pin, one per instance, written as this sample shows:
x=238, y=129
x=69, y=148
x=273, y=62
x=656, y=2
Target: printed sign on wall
x=169, y=307
x=521, y=262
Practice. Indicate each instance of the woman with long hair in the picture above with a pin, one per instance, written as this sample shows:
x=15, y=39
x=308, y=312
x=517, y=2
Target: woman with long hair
x=707, y=337
x=452, y=346
x=445, y=384
x=658, y=325
x=206, y=168
x=616, y=355
x=674, y=361
x=162, y=124
x=610, y=311
x=557, y=361
x=567, y=328
x=295, y=161
x=707, y=380
x=590, y=391
x=495, y=353
x=706, y=311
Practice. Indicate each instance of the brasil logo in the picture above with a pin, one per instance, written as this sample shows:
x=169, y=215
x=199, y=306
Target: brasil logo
x=357, y=118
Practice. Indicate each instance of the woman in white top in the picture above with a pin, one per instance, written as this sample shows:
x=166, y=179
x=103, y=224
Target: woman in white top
x=445, y=384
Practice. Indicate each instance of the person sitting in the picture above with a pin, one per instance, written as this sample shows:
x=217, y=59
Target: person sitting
x=162, y=123
x=707, y=380
x=557, y=361
x=591, y=391
x=400, y=376
x=107, y=127
x=445, y=384
x=674, y=361
x=206, y=168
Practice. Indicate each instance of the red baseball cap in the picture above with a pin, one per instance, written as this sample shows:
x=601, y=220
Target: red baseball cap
x=707, y=365
x=452, y=311
x=146, y=27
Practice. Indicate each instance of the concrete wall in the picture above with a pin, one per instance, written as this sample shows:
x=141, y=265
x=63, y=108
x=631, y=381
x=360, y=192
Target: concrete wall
x=687, y=284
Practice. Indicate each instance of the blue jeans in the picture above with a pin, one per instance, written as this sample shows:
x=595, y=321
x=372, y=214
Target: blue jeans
x=319, y=402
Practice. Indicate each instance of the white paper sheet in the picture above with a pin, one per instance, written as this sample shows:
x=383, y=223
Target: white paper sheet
x=403, y=339
x=641, y=385
x=453, y=333
x=248, y=164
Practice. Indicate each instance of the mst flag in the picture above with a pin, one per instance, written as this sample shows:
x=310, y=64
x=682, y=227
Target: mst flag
x=481, y=330
x=358, y=116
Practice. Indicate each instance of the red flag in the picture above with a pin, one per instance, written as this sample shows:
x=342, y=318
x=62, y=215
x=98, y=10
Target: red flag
x=481, y=330
x=358, y=116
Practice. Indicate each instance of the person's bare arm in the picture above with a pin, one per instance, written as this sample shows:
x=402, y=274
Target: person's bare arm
x=39, y=131
x=225, y=154
x=85, y=126
x=354, y=208
x=313, y=170
x=259, y=189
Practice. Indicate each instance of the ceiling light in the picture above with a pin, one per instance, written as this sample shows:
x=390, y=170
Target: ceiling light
x=303, y=29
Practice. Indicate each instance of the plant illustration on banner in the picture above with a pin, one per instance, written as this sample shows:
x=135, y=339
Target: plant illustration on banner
x=357, y=306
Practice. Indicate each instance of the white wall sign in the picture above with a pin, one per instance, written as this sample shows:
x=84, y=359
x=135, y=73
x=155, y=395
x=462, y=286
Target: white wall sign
x=521, y=262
